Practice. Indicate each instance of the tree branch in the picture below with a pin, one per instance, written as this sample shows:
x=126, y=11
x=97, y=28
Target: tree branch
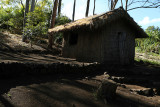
x=144, y=7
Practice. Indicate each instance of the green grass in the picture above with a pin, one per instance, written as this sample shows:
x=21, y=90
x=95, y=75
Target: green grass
x=147, y=57
x=146, y=61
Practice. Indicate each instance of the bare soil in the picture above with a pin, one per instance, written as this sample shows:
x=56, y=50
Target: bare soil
x=54, y=93
x=65, y=90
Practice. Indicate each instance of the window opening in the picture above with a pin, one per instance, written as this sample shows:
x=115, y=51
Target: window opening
x=73, y=39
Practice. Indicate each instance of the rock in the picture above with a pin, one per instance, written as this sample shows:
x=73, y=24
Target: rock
x=117, y=79
x=105, y=73
x=87, y=78
x=145, y=91
x=157, y=91
x=122, y=85
x=107, y=89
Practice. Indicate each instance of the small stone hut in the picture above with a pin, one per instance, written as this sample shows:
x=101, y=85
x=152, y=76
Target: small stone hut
x=106, y=38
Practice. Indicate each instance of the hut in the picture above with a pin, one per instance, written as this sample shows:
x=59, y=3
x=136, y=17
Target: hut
x=106, y=38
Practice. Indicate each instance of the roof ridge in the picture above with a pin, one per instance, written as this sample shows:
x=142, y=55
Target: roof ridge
x=105, y=13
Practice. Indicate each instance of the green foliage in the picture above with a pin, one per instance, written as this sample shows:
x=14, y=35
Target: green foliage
x=11, y=19
x=37, y=23
x=151, y=44
x=5, y=15
x=62, y=20
x=16, y=21
x=12, y=15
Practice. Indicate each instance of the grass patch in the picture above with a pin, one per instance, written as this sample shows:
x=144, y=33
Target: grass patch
x=147, y=62
x=147, y=57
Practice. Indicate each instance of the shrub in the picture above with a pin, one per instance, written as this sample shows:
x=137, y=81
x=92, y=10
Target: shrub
x=152, y=43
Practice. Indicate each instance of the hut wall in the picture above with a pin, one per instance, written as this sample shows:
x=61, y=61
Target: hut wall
x=68, y=50
x=87, y=49
x=112, y=44
x=118, y=44
x=89, y=46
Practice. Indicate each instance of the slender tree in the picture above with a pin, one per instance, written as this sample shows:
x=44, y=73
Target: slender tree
x=25, y=18
x=87, y=8
x=121, y=3
x=26, y=11
x=32, y=6
x=114, y=4
x=94, y=7
x=54, y=11
x=74, y=6
x=111, y=5
x=126, y=5
x=59, y=7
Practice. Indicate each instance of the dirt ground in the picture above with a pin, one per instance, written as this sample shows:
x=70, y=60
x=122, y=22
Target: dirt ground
x=42, y=91
x=61, y=91
x=50, y=91
x=67, y=90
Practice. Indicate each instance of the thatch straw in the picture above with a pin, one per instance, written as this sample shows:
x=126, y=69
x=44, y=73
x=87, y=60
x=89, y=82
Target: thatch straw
x=98, y=21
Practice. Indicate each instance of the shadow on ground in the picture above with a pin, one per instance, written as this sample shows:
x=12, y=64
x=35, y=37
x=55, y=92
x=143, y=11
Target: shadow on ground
x=53, y=90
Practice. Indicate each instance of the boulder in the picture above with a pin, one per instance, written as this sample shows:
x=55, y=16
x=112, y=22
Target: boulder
x=107, y=89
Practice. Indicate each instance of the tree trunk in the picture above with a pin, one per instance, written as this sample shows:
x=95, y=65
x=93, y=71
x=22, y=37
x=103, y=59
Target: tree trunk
x=54, y=13
x=126, y=4
x=53, y=23
x=114, y=4
x=26, y=11
x=94, y=7
x=25, y=18
x=74, y=6
x=32, y=6
x=87, y=8
x=121, y=3
x=111, y=4
x=59, y=7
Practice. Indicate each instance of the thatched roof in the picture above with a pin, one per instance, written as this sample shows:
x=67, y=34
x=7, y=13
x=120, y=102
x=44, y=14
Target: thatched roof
x=97, y=21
